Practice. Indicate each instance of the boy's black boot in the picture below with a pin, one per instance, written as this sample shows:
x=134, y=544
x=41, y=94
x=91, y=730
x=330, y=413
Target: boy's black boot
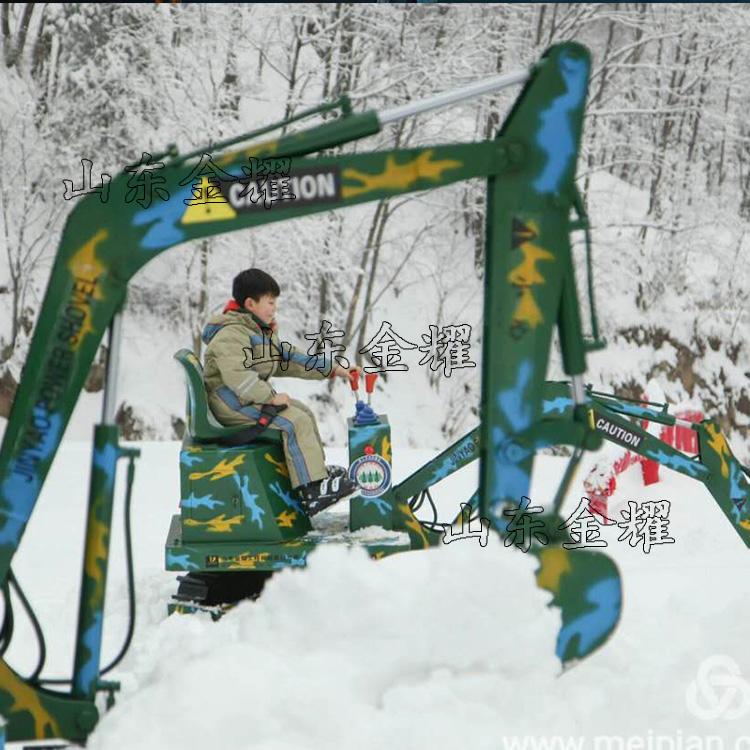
x=320, y=495
x=336, y=471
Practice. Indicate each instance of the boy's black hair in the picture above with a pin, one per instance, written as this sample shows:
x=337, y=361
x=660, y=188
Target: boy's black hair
x=253, y=283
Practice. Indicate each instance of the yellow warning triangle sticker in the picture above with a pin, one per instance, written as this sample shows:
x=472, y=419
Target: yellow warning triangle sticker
x=210, y=206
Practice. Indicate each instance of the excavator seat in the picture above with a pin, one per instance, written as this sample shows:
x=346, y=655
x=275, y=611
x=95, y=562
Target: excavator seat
x=202, y=425
x=234, y=490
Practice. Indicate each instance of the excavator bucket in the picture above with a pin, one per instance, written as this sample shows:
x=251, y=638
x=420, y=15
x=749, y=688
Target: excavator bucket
x=585, y=586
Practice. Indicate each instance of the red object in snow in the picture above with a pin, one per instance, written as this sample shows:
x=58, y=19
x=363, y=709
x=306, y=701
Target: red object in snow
x=680, y=437
x=650, y=471
x=683, y=438
x=598, y=505
x=354, y=379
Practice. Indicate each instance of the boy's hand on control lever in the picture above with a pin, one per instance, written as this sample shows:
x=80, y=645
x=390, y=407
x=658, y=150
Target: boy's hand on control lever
x=343, y=372
x=280, y=399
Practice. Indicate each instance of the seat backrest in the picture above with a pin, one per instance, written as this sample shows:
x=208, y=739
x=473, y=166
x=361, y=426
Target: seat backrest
x=201, y=423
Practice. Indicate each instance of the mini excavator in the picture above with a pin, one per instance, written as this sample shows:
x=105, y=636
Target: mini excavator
x=238, y=520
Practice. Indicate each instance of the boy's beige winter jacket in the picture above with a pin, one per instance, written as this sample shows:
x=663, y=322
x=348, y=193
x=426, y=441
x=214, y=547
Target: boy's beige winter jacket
x=242, y=354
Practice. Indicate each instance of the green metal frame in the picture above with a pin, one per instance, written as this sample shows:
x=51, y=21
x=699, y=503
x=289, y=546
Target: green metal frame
x=529, y=290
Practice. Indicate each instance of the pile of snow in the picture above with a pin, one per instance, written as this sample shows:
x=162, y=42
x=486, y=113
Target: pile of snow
x=444, y=648
x=347, y=654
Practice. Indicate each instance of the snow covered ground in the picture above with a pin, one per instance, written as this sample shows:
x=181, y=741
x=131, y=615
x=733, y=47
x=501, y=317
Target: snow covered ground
x=453, y=647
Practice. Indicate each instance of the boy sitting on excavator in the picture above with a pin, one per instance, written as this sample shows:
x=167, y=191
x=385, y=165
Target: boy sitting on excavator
x=237, y=368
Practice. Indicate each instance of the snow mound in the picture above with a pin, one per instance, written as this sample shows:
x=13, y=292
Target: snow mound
x=450, y=647
x=350, y=653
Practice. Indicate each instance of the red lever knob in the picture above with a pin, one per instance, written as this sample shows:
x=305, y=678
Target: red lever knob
x=354, y=379
x=370, y=378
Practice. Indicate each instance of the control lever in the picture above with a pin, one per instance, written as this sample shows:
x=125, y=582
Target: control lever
x=370, y=378
x=354, y=380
